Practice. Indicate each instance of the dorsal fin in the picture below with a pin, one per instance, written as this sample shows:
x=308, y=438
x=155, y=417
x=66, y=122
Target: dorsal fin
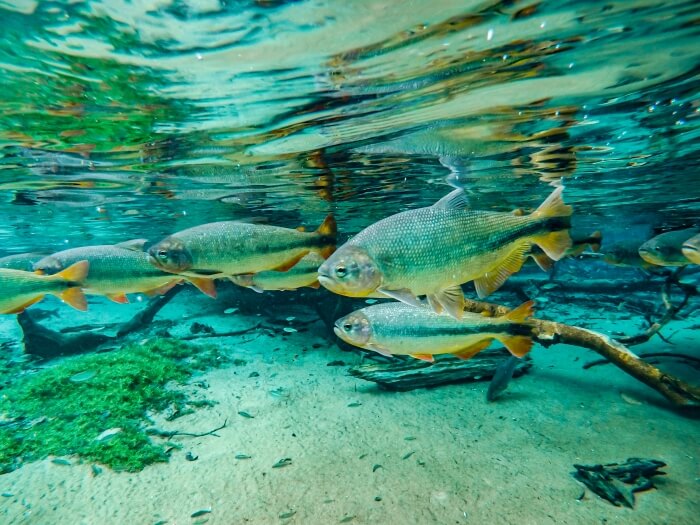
x=553, y=206
x=455, y=200
x=135, y=245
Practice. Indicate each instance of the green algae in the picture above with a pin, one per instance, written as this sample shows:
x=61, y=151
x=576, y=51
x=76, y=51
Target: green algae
x=46, y=413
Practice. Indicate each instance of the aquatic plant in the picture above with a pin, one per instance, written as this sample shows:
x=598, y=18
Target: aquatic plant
x=67, y=409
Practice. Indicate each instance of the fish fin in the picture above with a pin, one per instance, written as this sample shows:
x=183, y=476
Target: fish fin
x=379, y=349
x=404, y=295
x=75, y=273
x=434, y=304
x=595, y=240
x=206, y=286
x=74, y=297
x=424, y=357
x=162, y=290
x=518, y=212
x=575, y=252
x=256, y=288
x=450, y=299
x=315, y=285
x=23, y=307
x=493, y=279
x=135, y=245
x=554, y=244
x=545, y=263
x=328, y=227
x=120, y=298
x=553, y=206
x=472, y=350
x=455, y=200
x=521, y=313
x=518, y=345
x=291, y=263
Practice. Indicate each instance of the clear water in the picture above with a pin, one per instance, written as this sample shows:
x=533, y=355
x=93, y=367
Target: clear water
x=123, y=119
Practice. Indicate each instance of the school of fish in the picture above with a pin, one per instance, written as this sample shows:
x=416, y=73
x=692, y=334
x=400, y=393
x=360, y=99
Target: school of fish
x=420, y=258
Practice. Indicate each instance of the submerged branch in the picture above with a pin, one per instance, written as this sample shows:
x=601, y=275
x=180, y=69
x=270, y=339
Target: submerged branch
x=548, y=333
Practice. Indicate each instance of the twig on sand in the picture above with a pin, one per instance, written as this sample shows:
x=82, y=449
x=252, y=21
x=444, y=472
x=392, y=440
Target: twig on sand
x=220, y=334
x=172, y=433
x=549, y=333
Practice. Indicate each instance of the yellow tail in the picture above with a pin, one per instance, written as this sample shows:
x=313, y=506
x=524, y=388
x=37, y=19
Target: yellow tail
x=75, y=273
x=521, y=313
x=553, y=206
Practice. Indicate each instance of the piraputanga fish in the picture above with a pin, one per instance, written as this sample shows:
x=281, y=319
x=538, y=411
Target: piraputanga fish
x=222, y=249
x=395, y=328
x=432, y=251
x=115, y=270
x=691, y=249
x=666, y=249
x=20, y=289
x=303, y=273
x=21, y=261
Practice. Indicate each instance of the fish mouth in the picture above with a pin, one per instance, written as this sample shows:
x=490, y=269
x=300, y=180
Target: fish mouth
x=325, y=281
x=691, y=248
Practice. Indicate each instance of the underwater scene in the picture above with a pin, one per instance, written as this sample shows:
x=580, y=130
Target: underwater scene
x=362, y=262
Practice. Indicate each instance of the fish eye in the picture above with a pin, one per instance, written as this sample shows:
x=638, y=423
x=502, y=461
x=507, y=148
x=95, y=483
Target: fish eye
x=341, y=271
x=162, y=254
x=347, y=327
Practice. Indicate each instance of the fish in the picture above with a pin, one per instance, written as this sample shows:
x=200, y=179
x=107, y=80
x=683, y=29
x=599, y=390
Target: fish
x=115, y=270
x=396, y=328
x=222, y=249
x=691, y=249
x=304, y=273
x=626, y=255
x=432, y=251
x=500, y=380
x=21, y=289
x=578, y=246
x=666, y=249
x=21, y=261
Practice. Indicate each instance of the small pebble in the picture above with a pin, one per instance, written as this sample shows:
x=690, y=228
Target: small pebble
x=408, y=454
x=200, y=512
x=347, y=519
x=254, y=374
x=60, y=461
x=282, y=463
x=290, y=318
x=7, y=495
x=377, y=498
x=288, y=514
x=245, y=414
x=409, y=438
x=376, y=467
x=83, y=376
x=230, y=310
x=289, y=329
x=370, y=301
x=96, y=470
x=354, y=404
x=191, y=457
x=336, y=363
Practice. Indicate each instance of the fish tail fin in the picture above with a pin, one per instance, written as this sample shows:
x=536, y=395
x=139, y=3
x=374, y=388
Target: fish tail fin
x=554, y=244
x=75, y=297
x=75, y=273
x=518, y=345
x=545, y=263
x=596, y=240
x=328, y=230
x=521, y=313
x=553, y=206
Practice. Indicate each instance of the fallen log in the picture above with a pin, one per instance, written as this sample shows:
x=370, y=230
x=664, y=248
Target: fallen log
x=411, y=374
x=44, y=343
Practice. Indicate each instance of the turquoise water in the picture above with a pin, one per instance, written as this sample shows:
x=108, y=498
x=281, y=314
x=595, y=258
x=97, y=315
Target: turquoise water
x=138, y=119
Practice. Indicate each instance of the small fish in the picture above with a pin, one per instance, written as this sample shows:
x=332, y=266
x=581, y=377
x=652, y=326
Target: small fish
x=625, y=255
x=500, y=380
x=399, y=329
x=222, y=249
x=115, y=270
x=666, y=249
x=303, y=273
x=282, y=463
x=21, y=261
x=432, y=251
x=691, y=249
x=22, y=289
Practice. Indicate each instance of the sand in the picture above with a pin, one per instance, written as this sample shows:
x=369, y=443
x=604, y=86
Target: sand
x=364, y=456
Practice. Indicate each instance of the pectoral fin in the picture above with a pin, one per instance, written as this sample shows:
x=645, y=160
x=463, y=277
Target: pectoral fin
x=493, y=279
x=118, y=298
x=135, y=245
x=290, y=263
x=379, y=349
x=162, y=290
x=75, y=297
x=450, y=299
x=206, y=286
x=404, y=295
x=554, y=244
